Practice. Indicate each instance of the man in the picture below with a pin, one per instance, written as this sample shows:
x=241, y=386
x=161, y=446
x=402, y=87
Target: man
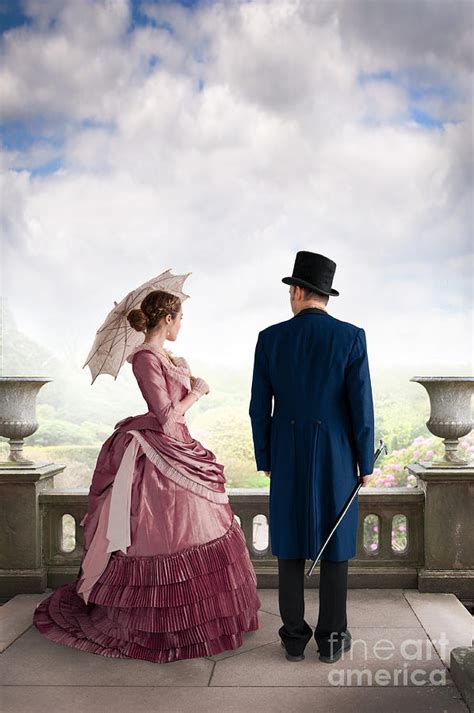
x=315, y=368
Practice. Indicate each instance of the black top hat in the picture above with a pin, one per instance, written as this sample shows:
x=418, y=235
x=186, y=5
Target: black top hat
x=313, y=271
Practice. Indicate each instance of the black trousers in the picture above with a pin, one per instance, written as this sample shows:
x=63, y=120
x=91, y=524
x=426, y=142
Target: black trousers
x=332, y=619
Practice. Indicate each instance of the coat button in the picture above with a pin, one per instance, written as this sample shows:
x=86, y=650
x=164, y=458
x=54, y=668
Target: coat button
x=292, y=421
x=317, y=421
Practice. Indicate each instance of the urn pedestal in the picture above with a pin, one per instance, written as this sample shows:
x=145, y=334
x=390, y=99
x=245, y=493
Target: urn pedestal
x=21, y=482
x=448, y=529
x=21, y=532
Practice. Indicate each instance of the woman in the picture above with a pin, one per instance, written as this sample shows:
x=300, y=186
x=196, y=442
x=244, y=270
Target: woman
x=166, y=573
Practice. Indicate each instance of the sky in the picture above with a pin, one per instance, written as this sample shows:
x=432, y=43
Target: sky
x=219, y=138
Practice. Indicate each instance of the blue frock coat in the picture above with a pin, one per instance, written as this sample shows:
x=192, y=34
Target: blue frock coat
x=315, y=369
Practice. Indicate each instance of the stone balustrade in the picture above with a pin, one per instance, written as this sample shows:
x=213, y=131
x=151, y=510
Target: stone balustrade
x=420, y=538
x=385, y=566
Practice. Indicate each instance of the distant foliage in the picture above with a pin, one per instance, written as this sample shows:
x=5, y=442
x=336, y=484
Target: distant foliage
x=392, y=471
x=54, y=431
x=75, y=417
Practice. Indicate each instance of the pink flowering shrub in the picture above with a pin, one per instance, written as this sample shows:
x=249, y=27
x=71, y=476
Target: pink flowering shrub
x=399, y=533
x=390, y=471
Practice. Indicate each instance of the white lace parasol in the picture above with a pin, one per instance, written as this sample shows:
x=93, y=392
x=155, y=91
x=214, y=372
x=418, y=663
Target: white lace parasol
x=115, y=339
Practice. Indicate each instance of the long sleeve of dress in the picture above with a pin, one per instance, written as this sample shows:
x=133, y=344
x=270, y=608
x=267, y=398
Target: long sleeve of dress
x=152, y=382
x=359, y=394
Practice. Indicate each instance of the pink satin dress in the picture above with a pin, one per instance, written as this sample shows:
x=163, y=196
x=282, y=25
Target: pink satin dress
x=166, y=573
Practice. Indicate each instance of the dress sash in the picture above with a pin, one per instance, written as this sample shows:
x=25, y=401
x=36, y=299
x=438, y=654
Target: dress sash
x=113, y=525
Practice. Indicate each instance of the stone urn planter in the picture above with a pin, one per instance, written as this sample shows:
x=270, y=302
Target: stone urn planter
x=451, y=417
x=18, y=414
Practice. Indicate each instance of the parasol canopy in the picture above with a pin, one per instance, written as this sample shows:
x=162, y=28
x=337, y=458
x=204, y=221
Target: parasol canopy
x=115, y=339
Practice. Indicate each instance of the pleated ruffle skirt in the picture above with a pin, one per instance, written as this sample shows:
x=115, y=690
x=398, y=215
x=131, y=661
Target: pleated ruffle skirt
x=161, y=608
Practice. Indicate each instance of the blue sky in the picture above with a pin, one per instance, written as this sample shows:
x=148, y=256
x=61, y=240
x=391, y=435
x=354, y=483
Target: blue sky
x=21, y=134
x=220, y=138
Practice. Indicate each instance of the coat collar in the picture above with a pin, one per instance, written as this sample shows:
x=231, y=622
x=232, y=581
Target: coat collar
x=310, y=310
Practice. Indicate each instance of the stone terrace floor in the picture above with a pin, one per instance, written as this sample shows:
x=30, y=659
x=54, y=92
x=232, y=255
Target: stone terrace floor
x=39, y=676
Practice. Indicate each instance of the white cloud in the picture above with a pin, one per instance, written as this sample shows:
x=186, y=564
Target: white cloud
x=283, y=149
x=428, y=33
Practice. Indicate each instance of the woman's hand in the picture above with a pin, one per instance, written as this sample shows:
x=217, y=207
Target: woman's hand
x=199, y=385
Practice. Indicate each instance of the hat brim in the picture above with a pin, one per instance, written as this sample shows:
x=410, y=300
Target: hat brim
x=303, y=283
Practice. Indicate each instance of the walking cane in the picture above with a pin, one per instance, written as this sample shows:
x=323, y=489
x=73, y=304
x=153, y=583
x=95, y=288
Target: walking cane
x=382, y=447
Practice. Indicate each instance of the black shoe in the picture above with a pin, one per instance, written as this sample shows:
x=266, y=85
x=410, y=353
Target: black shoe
x=289, y=657
x=344, y=645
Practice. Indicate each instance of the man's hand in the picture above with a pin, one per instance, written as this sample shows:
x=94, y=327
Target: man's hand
x=267, y=472
x=365, y=479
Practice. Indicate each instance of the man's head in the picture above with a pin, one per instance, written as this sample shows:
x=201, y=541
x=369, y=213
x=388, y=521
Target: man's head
x=302, y=297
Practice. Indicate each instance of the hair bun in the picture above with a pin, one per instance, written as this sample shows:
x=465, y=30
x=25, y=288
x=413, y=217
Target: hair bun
x=156, y=305
x=137, y=320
